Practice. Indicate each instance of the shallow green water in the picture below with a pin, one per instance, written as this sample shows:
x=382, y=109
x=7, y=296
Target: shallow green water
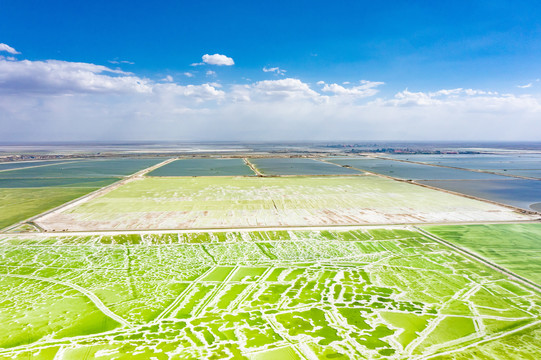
x=24, y=164
x=371, y=293
x=204, y=167
x=516, y=247
x=84, y=169
x=297, y=166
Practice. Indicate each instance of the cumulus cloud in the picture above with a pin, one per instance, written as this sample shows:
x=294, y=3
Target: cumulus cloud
x=275, y=70
x=53, y=77
x=275, y=111
x=366, y=89
x=409, y=98
x=61, y=77
x=168, y=78
x=188, y=74
x=210, y=73
x=275, y=90
x=9, y=49
x=58, y=100
x=529, y=85
x=218, y=59
x=198, y=93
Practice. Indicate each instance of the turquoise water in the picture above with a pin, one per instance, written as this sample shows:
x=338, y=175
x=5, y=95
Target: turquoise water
x=84, y=169
x=299, y=166
x=63, y=182
x=204, y=167
x=23, y=164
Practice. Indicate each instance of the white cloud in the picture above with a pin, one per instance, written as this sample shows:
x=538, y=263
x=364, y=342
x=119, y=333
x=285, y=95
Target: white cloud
x=275, y=70
x=366, y=89
x=168, y=78
x=121, y=62
x=198, y=93
x=62, y=77
x=9, y=49
x=408, y=98
x=275, y=90
x=218, y=59
x=210, y=73
x=320, y=82
x=525, y=86
x=188, y=74
x=53, y=78
x=472, y=92
x=58, y=100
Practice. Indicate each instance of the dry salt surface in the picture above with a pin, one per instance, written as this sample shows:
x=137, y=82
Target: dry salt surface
x=230, y=202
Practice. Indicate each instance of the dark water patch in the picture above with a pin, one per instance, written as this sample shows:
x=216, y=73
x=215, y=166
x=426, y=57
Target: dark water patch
x=56, y=182
x=84, y=169
x=479, y=162
x=298, y=166
x=204, y=167
x=25, y=164
x=536, y=206
x=527, y=173
x=521, y=193
x=411, y=171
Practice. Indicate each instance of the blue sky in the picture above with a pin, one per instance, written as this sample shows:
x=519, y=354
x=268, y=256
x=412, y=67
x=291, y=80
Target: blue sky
x=490, y=48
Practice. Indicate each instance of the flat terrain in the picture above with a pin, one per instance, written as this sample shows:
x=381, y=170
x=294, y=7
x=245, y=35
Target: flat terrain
x=212, y=202
x=526, y=173
x=522, y=193
x=30, y=190
x=22, y=164
x=411, y=171
x=363, y=293
x=83, y=169
x=516, y=247
x=263, y=269
x=479, y=162
x=19, y=204
x=298, y=166
x=204, y=167
x=56, y=182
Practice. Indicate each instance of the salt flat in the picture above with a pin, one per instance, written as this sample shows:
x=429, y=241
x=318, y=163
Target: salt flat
x=367, y=292
x=229, y=202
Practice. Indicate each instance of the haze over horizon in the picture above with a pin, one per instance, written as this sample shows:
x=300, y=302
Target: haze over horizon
x=246, y=71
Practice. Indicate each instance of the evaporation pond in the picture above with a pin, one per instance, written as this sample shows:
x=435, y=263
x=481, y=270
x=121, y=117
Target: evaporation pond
x=513, y=246
x=480, y=162
x=411, y=171
x=298, y=166
x=522, y=193
x=84, y=169
x=23, y=164
x=204, y=167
